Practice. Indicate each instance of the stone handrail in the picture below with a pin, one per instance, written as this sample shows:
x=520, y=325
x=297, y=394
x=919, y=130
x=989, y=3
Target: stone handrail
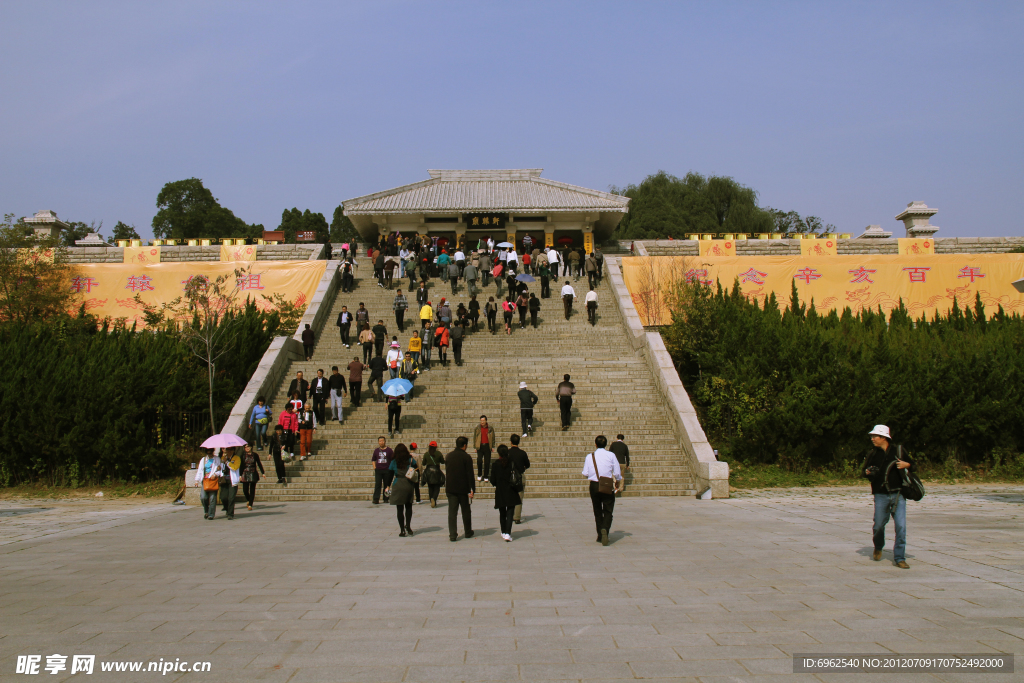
x=708, y=470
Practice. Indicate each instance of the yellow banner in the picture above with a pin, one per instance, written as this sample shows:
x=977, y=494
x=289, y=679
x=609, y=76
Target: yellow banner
x=836, y=282
x=912, y=246
x=109, y=289
x=716, y=247
x=237, y=252
x=822, y=247
x=141, y=255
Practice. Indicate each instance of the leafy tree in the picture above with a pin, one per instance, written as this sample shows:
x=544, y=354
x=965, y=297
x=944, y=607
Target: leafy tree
x=124, y=232
x=342, y=229
x=205, y=305
x=666, y=206
x=188, y=210
x=294, y=221
x=35, y=277
x=78, y=230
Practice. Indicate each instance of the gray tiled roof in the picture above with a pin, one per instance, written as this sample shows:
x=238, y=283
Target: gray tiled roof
x=521, y=190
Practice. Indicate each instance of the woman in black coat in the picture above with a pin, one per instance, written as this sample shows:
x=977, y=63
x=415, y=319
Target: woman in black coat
x=249, y=475
x=402, y=489
x=505, y=499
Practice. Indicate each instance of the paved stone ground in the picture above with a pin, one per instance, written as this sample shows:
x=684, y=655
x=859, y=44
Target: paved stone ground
x=688, y=590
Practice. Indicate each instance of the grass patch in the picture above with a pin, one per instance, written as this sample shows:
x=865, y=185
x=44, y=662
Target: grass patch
x=158, y=488
x=759, y=476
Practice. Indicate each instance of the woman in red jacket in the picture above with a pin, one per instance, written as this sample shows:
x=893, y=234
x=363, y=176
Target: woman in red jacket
x=441, y=335
x=289, y=421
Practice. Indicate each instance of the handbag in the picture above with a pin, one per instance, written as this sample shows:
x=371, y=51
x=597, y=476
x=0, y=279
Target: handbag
x=604, y=484
x=515, y=480
x=211, y=484
x=412, y=474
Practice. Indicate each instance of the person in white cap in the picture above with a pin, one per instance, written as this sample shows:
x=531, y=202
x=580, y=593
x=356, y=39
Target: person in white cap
x=882, y=468
x=527, y=400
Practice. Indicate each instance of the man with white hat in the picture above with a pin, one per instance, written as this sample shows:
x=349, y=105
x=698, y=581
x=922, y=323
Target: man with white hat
x=882, y=468
x=527, y=400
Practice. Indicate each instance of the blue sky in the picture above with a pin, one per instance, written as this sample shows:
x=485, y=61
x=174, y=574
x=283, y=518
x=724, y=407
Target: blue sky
x=842, y=110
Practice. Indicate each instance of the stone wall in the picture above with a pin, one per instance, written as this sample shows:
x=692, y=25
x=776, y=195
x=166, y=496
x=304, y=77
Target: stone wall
x=943, y=245
x=266, y=252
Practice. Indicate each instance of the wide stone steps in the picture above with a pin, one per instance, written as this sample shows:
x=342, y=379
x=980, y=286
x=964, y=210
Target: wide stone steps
x=615, y=392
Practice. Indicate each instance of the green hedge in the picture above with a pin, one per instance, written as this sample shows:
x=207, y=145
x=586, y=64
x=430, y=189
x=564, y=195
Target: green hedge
x=81, y=402
x=802, y=390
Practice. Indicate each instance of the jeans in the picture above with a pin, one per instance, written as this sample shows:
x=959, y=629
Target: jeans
x=261, y=433
x=454, y=503
x=379, y=379
x=604, y=505
x=483, y=461
x=337, y=412
x=209, y=500
x=895, y=505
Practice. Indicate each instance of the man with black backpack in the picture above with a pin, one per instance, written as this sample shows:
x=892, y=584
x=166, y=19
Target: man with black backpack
x=891, y=473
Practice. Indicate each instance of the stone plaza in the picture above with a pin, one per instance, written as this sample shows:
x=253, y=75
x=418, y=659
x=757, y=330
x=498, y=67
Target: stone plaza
x=712, y=590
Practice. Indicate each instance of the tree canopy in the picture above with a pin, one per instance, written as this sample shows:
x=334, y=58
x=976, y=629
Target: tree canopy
x=123, y=231
x=35, y=277
x=294, y=221
x=665, y=206
x=188, y=210
x=342, y=229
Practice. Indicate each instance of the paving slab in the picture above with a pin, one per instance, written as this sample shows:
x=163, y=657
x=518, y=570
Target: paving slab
x=687, y=590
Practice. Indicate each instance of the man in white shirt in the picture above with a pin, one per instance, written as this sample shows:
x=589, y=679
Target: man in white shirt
x=568, y=296
x=460, y=260
x=602, y=463
x=553, y=262
x=404, y=257
x=591, y=300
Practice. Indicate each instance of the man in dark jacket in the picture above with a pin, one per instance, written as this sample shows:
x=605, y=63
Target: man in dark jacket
x=457, y=334
x=320, y=390
x=566, y=390
x=308, y=338
x=621, y=451
x=527, y=400
x=300, y=385
x=380, y=335
x=883, y=468
x=520, y=462
x=459, y=488
x=377, y=367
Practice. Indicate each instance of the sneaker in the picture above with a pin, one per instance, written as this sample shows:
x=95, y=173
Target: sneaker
x=524, y=435
x=479, y=479
x=507, y=537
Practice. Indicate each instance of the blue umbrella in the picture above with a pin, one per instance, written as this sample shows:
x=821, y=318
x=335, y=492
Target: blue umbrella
x=504, y=245
x=397, y=387
x=523, y=277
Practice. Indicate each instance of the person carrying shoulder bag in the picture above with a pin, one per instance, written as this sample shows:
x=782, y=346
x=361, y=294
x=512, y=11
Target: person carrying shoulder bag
x=884, y=467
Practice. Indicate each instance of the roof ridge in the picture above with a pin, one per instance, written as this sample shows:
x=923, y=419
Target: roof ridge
x=496, y=174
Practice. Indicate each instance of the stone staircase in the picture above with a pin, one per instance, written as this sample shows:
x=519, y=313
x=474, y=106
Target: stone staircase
x=616, y=393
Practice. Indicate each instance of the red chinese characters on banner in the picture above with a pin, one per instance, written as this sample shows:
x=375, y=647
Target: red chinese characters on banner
x=139, y=283
x=752, y=275
x=697, y=275
x=249, y=281
x=917, y=274
x=808, y=275
x=971, y=272
x=202, y=278
x=862, y=274
x=80, y=284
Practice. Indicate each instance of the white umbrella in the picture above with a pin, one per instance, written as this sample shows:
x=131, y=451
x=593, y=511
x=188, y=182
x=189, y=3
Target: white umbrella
x=505, y=245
